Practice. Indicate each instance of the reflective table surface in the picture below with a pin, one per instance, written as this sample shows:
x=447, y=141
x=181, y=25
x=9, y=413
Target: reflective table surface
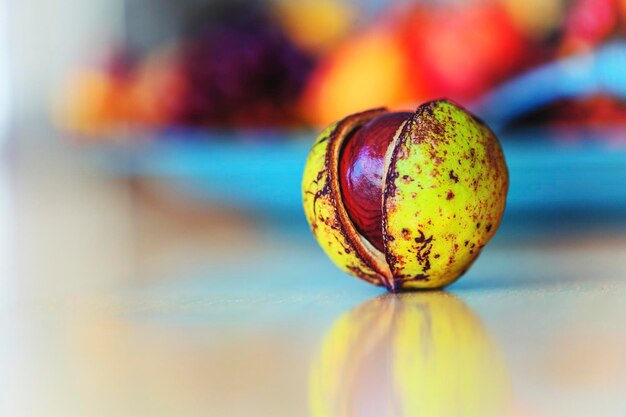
x=117, y=301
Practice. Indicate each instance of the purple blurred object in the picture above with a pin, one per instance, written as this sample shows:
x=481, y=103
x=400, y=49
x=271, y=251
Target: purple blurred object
x=243, y=74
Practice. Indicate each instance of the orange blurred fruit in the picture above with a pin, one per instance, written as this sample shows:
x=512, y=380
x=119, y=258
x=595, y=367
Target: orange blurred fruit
x=367, y=71
x=93, y=103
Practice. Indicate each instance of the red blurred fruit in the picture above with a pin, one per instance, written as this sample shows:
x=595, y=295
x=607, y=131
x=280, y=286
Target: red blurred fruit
x=589, y=23
x=462, y=51
x=158, y=89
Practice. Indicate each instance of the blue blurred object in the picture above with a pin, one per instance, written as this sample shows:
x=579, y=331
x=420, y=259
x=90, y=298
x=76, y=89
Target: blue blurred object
x=546, y=172
x=601, y=71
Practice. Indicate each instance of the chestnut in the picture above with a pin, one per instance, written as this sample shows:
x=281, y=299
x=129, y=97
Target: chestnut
x=406, y=200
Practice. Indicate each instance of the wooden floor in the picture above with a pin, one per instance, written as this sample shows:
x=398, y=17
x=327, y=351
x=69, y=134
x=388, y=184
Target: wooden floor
x=118, y=302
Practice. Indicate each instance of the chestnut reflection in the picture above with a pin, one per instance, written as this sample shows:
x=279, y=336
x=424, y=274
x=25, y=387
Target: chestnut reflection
x=409, y=355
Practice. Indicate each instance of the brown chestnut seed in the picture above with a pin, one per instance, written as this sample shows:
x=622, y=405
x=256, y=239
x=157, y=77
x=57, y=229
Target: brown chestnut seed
x=407, y=201
x=361, y=170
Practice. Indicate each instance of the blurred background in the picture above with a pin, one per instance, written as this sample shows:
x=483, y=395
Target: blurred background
x=154, y=257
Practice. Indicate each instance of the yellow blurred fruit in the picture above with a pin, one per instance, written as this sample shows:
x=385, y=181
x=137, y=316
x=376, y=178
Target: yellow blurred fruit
x=536, y=18
x=315, y=25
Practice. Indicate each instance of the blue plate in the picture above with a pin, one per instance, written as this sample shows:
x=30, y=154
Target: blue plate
x=547, y=171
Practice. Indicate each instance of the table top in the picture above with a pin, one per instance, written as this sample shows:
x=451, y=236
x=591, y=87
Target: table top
x=119, y=302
